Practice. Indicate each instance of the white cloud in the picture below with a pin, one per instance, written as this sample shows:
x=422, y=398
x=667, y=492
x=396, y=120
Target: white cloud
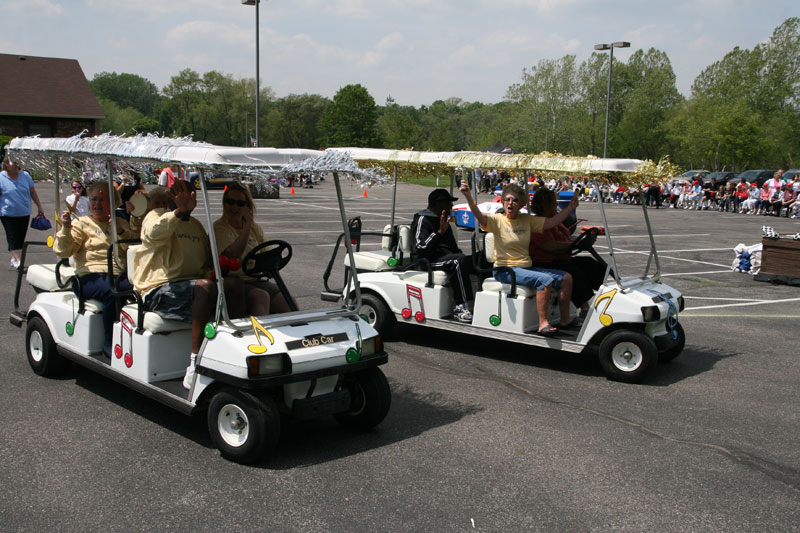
x=379, y=54
x=45, y=7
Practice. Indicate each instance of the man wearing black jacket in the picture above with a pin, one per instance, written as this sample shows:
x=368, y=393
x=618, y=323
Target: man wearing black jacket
x=434, y=240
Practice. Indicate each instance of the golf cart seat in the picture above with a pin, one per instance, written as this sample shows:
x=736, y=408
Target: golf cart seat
x=152, y=322
x=378, y=260
x=43, y=277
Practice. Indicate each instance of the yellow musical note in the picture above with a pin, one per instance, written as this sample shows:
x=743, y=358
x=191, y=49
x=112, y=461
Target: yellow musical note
x=605, y=319
x=50, y=241
x=259, y=348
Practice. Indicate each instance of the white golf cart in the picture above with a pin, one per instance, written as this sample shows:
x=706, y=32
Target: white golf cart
x=632, y=322
x=251, y=372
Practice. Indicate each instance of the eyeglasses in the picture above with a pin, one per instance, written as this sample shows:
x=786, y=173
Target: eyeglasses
x=74, y=187
x=512, y=199
x=231, y=201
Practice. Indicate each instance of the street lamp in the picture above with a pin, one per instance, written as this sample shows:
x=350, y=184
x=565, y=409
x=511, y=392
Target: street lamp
x=610, y=47
x=258, y=83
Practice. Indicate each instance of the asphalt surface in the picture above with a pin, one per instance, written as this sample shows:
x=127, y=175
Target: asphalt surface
x=482, y=435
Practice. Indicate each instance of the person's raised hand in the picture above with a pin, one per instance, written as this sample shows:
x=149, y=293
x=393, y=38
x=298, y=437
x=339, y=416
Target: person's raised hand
x=573, y=204
x=247, y=216
x=444, y=222
x=464, y=188
x=66, y=218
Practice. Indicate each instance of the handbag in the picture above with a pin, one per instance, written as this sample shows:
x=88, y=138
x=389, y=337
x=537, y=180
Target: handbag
x=41, y=223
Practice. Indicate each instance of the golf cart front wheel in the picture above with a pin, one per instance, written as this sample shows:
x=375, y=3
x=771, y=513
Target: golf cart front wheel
x=627, y=356
x=370, y=398
x=244, y=428
x=41, y=349
x=376, y=313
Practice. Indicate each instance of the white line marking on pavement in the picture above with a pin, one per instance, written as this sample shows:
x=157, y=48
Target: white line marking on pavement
x=726, y=299
x=763, y=302
x=697, y=273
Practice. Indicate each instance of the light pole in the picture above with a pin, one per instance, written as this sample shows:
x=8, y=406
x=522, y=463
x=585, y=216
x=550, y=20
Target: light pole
x=258, y=83
x=610, y=47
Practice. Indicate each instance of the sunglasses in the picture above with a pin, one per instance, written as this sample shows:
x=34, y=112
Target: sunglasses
x=231, y=201
x=512, y=199
x=77, y=187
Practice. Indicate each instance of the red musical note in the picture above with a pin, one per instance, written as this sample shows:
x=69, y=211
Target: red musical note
x=126, y=324
x=416, y=292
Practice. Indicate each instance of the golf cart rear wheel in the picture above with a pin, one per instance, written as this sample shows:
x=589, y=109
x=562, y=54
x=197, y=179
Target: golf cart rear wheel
x=376, y=313
x=676, y=346
x=41, y=350
x=370, y=399
x=244, y=428
x=627, y=356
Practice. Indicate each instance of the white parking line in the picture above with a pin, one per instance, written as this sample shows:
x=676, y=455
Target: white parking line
x=728, y=271
x=745, y=304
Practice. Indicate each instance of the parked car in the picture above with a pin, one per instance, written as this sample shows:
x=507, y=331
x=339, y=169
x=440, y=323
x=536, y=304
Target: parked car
x=213, y=181
x=789, y=175
x=720, y=177
x=755, y=176
x=689, y=176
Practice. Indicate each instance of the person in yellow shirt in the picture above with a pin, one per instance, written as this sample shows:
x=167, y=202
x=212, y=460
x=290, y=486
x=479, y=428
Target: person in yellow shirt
x=87, y=239
x=173, y=267
x=236, y=234
x=512, y=236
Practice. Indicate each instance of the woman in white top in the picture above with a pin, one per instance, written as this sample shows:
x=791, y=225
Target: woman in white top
x=78, y=202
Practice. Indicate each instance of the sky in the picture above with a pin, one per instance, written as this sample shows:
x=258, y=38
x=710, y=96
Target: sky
x=416, y=51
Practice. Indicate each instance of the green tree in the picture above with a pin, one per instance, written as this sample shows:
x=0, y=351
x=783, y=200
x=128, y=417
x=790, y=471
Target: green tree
x=125, y=90
x=293, y=121
x=650, y=96
x=400, y=126
x=118, y=120
x=351, y=119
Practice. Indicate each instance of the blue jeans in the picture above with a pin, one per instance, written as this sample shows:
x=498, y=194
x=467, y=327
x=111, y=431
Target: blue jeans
x=95, y=287
x=534, y=277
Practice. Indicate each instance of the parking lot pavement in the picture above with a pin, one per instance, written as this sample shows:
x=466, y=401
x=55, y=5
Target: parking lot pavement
x=482, y=434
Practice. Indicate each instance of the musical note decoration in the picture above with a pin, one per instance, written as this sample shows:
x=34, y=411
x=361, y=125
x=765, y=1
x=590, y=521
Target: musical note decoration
x=605, y=318
x=392, y=262
x=495, y=320
x=406, y=312
x=50, y=241
x=126, y=324
x=260, y=347
x=354, y=354
x=70, y=326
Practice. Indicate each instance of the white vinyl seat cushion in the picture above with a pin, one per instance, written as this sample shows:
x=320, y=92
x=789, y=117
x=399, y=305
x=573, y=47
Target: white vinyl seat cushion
x=376, y=261
x=90, y=306
x=491, y=284
x=43, y=277
x=421, y=277
x=154, y=323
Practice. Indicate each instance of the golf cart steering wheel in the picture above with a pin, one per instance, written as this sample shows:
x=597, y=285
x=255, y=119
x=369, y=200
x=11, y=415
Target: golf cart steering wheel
x=260, y=262
x=584, y=242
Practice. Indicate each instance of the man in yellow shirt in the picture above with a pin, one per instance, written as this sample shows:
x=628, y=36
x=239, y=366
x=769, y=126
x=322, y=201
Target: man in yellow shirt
x=173, y=267
x=512, y=236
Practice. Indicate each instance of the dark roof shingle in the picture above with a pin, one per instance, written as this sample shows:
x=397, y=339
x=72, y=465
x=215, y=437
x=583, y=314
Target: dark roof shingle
x=45, y=86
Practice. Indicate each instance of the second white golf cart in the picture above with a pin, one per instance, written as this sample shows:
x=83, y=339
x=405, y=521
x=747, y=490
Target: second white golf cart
x=632, y=322
x=251, y=372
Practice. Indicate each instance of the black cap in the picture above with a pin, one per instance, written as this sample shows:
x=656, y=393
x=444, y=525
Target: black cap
x=438, y=195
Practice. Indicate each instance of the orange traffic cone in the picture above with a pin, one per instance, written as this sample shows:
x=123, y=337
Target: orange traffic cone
x=365, y=193
x=292, y=191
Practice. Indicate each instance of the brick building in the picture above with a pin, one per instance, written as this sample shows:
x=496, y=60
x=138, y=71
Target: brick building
x=45, y=96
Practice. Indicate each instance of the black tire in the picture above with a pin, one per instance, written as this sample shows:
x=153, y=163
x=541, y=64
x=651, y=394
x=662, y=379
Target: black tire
x=627, y=356
x=377, y=314
x=41, y=350
x=259, y=428
x=370, y=399
x=676, y=345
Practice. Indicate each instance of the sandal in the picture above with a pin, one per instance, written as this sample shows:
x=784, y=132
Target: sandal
x=576, y=322
x=547, y=331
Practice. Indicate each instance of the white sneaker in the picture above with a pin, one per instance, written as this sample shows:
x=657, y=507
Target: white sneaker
x=187, y=379
x=14, y=264
x=462, y=313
